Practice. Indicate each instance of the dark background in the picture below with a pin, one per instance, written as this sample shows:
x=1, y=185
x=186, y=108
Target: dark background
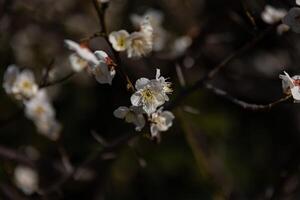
x=218, y=151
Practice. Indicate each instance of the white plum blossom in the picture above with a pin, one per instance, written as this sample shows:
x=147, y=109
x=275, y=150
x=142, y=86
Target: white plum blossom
x=298, y=2
x=41, y=112
x=149, y=95
x=271, y=15
x=26, y=179
x=82, y=56
x=291, y=85
x=119, y=40
x=160, y=121
x=292, y=19
x=20, y=84
x=131, y=115
x=180, y=45
x=104, y=71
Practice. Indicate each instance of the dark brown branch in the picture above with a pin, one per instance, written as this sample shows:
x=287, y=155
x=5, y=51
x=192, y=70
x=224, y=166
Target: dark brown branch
x=55, y=82
x=243, y=104
x=10, y=154
x=215, y=70
x=109, y=147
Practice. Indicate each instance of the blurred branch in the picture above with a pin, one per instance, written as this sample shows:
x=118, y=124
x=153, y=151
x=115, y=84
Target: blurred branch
x=110, y=147
x=46, y=73
x=215, y=70
x=13, y=155
x=10, y=192
x=55, y=82
x=243, y=104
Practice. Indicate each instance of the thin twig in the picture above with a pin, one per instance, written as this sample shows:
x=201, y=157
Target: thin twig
x=243, y=104
x=46, y=74
x=61, y=80
x=13, y=155
x=101, y=16
x=215, y=70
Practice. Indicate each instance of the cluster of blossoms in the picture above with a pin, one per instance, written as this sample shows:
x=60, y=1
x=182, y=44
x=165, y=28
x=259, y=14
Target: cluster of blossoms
x=21, y=85
x=137, y=44
x=97, y=63
x=290, y=19
x=162, y=39
x=147, y=100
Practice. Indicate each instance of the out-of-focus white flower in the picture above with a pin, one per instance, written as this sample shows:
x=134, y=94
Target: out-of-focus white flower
x=131, y=115
x=19, y=84
x=10, y=77
x=103, y=1
x=159, y=33
x=82, y=56
x=292, y=19
x=156, y=18
x=26, y=179
x=164, y=84
x=298, y=2
x=282, y=28
x=141, y=43
x=291, y=85
x=148, y=95
x=180, y=45
x=160, y=121
x=271, y=15
x=42, y=113
x=119, y=40
x=104, y=71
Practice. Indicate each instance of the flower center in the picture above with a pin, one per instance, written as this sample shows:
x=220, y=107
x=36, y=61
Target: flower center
x=27, y=84
x=39, y=110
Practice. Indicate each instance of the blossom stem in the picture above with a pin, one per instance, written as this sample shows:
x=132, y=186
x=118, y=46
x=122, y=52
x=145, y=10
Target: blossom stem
x=101, y=15
x=55, y=82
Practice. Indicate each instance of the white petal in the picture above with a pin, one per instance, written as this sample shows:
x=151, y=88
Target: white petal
x=136, y=99
x=101, y=55
x=9, y=78
x=121, y=112
x=295, y=92
x=141, y=83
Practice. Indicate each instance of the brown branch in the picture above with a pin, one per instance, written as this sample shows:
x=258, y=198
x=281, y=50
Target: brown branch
x=109, y=147
x=10, y=154
x=243, y=104
x=61, y=80
x=215, y=70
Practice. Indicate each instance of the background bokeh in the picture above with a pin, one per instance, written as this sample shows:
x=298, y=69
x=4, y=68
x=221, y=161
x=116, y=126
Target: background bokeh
x=215, y=149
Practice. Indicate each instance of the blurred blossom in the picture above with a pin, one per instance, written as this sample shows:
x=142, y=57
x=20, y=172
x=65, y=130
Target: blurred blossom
x=271, y=15
x=19, y=84
x=291, y=85
x=282, y=28
x=119, y=40
x=103, y=1
x=180, y=45
x=82, y=56
x=298, y=2
x=42, y=113
x=141, y=43
x=159, y=33
x=160, y=121
x=26, y=179
x=292, y=19
x=131, y=115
